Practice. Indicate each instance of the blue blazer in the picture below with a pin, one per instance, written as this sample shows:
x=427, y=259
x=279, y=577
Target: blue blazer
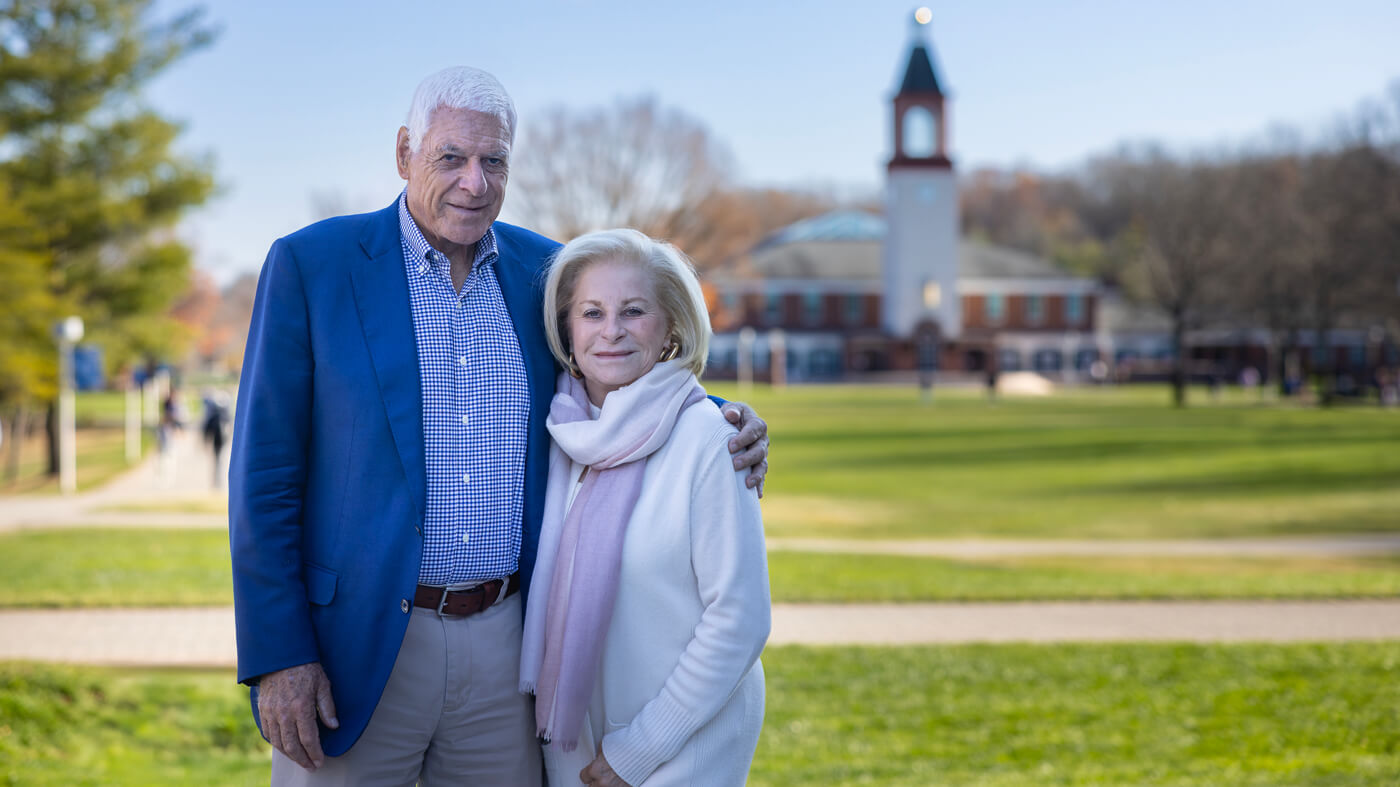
x=327, y=483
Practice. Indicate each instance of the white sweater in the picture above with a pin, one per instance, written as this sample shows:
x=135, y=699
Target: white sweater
x=680, y=687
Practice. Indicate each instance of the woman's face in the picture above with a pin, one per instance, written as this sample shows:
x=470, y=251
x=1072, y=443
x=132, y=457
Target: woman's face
x=616, y=326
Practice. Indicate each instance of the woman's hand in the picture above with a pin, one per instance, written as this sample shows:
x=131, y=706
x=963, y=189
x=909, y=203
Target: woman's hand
x=750, y=446
x=600, y=774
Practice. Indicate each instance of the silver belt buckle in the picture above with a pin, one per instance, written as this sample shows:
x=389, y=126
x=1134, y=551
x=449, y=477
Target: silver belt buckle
x=442, y=602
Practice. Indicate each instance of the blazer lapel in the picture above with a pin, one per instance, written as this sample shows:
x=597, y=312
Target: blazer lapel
x=521, y=290
x=386, y=316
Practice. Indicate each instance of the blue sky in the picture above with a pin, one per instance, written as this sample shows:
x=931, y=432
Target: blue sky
x=300, y=99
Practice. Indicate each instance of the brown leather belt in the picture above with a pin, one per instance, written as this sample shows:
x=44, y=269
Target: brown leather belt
x=461, y=603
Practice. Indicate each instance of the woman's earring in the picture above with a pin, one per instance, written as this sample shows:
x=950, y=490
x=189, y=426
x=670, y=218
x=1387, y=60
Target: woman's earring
x=671, y=351
x=573, y=368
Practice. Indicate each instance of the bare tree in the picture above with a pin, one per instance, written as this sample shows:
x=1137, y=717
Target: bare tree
x=1266, y=284
x=1353, y=198
x=1182, y=214
x=634, y=164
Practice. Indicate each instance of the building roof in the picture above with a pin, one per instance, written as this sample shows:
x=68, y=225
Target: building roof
x=838, y=225
x=919, y=76
x=848, y=245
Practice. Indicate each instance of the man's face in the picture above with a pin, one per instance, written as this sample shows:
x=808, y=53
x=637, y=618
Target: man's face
x=457, y=178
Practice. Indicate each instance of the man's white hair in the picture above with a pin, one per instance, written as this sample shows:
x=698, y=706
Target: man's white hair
x=459, y=87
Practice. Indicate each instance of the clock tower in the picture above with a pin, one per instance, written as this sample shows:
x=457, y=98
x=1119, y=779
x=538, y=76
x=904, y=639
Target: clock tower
x=921, y=205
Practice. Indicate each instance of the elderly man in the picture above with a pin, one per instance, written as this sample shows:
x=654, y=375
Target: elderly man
x=389, y=465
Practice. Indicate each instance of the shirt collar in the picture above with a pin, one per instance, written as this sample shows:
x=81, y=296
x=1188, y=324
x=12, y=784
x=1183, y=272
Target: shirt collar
x=425, y=254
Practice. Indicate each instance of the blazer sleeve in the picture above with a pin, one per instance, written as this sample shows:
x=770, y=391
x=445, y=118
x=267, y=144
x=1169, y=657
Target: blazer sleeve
x=731, y=567
x=267, y=475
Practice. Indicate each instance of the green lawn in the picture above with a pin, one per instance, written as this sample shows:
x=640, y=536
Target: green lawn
x=101, y=456
x=114, y=568
x=1096, y=463
x=100, y=408
x=1083, y=714
x=985, y=715
x=812, y=577
x=108, y=408
x=212, y=503
x=100, y=727
x=169, y=567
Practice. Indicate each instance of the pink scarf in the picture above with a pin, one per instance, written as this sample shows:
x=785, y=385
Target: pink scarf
x=580, y=554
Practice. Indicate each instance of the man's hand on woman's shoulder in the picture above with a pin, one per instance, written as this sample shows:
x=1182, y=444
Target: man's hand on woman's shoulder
x=750, y=446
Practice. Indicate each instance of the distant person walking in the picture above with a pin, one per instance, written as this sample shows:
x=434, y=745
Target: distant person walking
x=171, y=421
x=215, y=431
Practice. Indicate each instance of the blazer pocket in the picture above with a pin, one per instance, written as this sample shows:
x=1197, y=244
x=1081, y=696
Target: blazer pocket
x=320, y=583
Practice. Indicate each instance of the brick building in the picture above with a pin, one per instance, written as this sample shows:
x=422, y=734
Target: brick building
x=855, y=294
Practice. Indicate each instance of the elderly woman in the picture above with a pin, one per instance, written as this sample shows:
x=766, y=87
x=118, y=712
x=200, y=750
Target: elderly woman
x=649, y=602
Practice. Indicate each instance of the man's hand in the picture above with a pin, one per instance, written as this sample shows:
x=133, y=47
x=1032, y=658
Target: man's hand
x=288, y=703
x=750, y=446
x=600, y=774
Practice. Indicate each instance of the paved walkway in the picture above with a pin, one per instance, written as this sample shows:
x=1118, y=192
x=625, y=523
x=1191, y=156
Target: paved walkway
x=204, y=637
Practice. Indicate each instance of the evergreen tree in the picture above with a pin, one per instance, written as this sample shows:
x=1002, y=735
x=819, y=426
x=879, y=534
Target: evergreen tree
x=89, y=184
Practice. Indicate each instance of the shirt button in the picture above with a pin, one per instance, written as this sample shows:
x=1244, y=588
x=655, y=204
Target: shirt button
x=462, y=360
x=466, y=478
x=403, y=605
x=466, y=538
x=466, y=420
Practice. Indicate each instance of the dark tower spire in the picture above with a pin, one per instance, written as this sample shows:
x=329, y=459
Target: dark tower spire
x=920, y=112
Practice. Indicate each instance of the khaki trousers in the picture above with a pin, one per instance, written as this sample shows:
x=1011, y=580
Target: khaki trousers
x=450, y=714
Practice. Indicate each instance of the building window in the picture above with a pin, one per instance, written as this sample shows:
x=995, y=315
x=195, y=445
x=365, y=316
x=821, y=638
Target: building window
x=1085, y=358
x=1048, y=360
x=824, y=364
x=1074, y=309
x=933, y=295
x=773, y=309
x=1009, y=360
x=1035, y=309
x=996, y=308
x=812, y=308
x=920, y=133
x=855, y=309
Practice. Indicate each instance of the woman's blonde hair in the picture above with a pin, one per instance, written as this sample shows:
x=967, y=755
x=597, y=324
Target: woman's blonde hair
x=677, y=290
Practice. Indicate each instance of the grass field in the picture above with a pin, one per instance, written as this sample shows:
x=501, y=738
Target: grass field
x=812, y=577
x=1097, y=463
x=164, y=567
x=1083, y=714
x=101, y=456
x=211, y=503
x=115, y=568
x=101, y=419
x=985, y=715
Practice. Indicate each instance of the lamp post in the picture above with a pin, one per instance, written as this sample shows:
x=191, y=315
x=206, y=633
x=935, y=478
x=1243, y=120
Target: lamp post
x=68, y=332
x=747, y=336
x=777, y=358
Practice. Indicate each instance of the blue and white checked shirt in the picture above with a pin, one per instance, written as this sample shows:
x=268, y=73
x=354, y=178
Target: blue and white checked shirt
x=476, y=404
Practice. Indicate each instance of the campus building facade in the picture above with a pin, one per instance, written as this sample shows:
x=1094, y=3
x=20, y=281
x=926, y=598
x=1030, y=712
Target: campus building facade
x=856, y=294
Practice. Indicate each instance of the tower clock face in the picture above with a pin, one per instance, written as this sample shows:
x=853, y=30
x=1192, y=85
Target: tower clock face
x=920, y=133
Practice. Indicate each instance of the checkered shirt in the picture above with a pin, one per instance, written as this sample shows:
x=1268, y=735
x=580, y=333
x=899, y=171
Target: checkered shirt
x=476, y=404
